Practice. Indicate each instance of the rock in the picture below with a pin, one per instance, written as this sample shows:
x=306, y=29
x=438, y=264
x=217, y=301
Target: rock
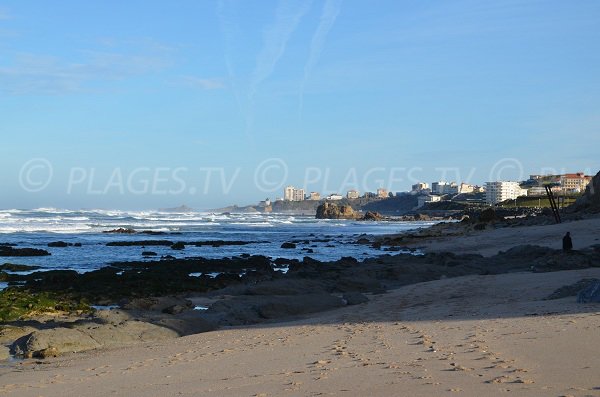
x=373, y=216
x=47, y=352
x=58, y=244
x=187, y=324
x=149, y=253
x=10, y=333
x=175, y=309
x=591, y=294
x=165, y=304
x=354, y=298
x=178, y=246
x=299, y=304
x=10, y=251
x=11, y=267
x=288, y=245
x=241, y=310
x=64, y=340
x=489, y=215
x=120, y=230
x=77, y=245
x=127, y=332
x=334, y=211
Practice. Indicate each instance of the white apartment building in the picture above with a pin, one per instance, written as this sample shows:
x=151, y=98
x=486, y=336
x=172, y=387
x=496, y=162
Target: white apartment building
x=422, y=200
x=497, y=192
x=352, y=194
x=466, y=188
x=315, y=196
x=290, y=193
x=443, y=187
x=335, y=196
x=382, y=193
x=417, y=187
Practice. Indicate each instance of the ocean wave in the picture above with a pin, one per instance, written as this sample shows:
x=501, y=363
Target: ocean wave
x=44, y=229
x=254, y=224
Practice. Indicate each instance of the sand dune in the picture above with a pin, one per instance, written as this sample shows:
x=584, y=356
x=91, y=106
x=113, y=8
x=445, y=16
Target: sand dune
x=468, y=336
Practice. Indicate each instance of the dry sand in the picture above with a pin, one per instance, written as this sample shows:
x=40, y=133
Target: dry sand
x=468, y=336
x=488, y=242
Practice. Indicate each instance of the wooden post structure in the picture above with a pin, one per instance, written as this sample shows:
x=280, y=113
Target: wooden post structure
x=553, y=204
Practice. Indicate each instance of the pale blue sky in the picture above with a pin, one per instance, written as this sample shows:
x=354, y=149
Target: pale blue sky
x=402, y=88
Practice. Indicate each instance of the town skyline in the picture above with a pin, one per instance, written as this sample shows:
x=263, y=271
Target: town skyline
x=495, y=191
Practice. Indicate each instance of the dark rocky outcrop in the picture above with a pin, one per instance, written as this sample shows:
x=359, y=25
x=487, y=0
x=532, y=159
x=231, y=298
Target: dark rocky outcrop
x=288, y=245
x=373, y=216
x=178, y=246
x=58, y=244
x=10, y=251
x=12, y=267
x=120, y=230
x=333, y=211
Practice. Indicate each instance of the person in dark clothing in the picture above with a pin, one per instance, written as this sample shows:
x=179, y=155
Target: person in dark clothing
x=567, y=242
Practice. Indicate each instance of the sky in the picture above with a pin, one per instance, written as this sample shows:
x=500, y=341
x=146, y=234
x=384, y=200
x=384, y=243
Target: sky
x=150, y=104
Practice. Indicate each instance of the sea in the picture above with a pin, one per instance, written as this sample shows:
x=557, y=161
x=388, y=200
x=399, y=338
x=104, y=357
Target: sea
x=328, y=239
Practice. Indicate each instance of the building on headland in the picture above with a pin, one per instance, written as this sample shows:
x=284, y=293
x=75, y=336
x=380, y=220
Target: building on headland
x=422, y=200
x=315, y=196
x=574, y=183
x=499, y=191
x=335, y=197
x=443, y=187
x=536, y=191
x=369, y=195
x=419, y=187
x=466, y=188
x=352, y=194
x=382, y=193
x=290, y=193
x=265, y=203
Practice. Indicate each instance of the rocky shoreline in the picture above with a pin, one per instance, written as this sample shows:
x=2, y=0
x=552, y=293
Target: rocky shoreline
x=55, y=312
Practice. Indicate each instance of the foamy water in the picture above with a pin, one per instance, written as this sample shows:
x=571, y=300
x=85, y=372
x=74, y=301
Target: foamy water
x=266, y=232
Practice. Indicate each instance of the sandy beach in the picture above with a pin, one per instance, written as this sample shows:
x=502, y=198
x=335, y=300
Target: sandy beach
x=585, y=233
x=469, y=336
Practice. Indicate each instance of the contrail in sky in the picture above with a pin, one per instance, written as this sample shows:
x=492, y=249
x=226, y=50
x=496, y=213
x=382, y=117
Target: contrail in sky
x=229, y=30
x=275, y=38
x=331, y=10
